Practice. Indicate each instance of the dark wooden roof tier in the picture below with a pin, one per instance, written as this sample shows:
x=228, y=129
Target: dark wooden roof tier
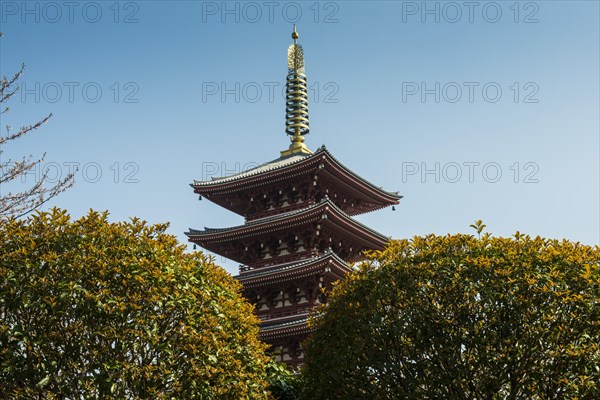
x=267, y=241
x=328, y=264
x=276, y=330
x=288, y=183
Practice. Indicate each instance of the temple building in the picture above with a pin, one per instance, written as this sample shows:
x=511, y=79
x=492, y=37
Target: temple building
x=298, y=236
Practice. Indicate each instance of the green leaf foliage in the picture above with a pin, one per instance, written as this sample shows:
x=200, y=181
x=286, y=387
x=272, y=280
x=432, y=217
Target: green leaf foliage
x=98, y=310
x=283, y=383
x=461, y=317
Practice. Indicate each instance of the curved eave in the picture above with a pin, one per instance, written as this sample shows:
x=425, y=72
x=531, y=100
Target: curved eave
x=328, y=264
x=390, y=197
x=322, y=158
x=265, y=171
x=285, y=329
x=325, y=211
x=257, y=226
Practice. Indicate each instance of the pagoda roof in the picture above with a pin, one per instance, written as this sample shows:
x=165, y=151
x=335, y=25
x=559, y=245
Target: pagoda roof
x=325, y=263
x=280, y=329
x=290, y=168
x=325, y=213
x=267, y=167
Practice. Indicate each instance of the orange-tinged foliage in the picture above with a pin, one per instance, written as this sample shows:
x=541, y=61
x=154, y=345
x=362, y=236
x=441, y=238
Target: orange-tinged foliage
x=92, y=309
x=462, y=317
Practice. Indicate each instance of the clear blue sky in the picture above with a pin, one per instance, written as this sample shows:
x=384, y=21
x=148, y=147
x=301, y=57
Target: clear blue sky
x=406, y=94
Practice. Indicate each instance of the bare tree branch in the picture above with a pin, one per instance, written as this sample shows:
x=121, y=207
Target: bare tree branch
x=18, y=204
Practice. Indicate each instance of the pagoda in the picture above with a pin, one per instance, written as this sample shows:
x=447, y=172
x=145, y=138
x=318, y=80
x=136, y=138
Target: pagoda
x=298, y=236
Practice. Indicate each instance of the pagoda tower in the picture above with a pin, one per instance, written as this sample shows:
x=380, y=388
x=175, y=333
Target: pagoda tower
x=299, y=235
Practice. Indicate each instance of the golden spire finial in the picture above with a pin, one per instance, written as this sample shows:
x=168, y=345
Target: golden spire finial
x=296, y=99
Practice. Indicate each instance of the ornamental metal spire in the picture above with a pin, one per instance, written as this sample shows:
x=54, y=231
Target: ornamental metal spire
x=296, y=100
